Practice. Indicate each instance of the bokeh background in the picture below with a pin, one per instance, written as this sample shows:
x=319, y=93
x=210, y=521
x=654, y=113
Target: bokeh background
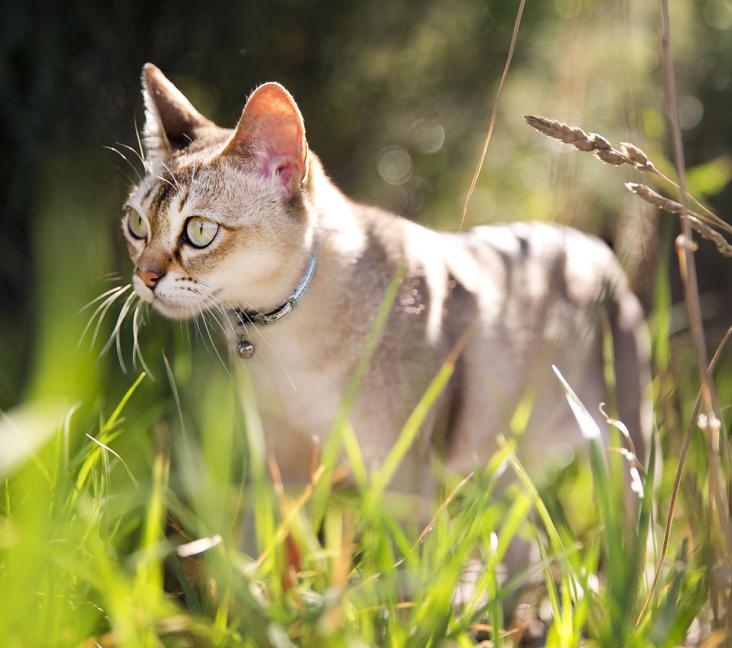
x=396, y=97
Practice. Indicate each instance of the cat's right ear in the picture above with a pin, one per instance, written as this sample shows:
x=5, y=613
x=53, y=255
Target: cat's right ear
x=170, y=119
x=271, y=132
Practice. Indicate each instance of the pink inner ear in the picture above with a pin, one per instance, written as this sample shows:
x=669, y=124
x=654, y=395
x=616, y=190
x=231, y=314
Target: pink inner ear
x=272, y=128
x=286, y=171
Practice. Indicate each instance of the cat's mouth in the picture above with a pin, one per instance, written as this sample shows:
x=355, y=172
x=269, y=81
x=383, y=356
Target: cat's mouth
x=173, y=302
x=173, y=310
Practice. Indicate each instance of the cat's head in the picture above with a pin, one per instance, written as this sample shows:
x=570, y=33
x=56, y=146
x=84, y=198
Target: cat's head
x=222, y=216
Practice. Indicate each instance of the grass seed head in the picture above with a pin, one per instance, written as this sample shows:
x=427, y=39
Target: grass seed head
x=637, y=156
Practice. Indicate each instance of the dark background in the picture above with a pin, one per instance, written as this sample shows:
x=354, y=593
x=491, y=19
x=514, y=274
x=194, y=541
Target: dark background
x=370, y=78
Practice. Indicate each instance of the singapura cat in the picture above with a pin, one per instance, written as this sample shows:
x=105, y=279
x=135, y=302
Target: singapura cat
x=243, y=218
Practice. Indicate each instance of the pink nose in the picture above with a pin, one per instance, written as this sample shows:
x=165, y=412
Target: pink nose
x=150, y=276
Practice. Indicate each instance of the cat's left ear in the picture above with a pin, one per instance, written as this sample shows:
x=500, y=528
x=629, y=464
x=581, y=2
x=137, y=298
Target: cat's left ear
x=171, y=121
x=271, y=130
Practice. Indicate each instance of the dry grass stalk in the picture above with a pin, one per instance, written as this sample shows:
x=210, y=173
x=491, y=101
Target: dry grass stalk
x=702, y=223
x=603, y=149
x=494, y=113
x=628, y=153
x=701, y=228
x=693, y=424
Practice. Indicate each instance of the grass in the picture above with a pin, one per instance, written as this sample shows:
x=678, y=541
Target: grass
x=124, y=528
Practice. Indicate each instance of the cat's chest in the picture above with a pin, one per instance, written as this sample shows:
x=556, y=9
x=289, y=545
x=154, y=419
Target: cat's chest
x=297, y=406
x=292, y=392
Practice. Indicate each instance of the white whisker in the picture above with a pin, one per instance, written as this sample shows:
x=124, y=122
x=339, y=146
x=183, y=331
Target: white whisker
x=187, y=326
x=159, y=177
x=276, y=355
x=212, y=305
x=213, y=344
x=135, y=340
x=109, y=297
x=167, y=168
x=145, y=162
x=99, y=298
x=129, y=148
x=211, y=312
x=118, y=346
x=120, y=319
x=196, y=326
x=103, y=314
x=124, y=157
x=118, y=337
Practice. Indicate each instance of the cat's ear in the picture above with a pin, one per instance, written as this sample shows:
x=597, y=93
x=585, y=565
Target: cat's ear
x=271, y=130
x=170, y=119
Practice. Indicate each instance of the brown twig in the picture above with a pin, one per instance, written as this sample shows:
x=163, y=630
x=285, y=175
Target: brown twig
x=718, y=500
x=686, y=256
x=687, y=265
x=492, y=122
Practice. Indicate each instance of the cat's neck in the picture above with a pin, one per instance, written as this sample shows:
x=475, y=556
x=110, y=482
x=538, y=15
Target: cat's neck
x=358, y=249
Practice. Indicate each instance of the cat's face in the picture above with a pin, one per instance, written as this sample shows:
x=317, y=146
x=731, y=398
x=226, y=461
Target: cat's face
x=221, y=218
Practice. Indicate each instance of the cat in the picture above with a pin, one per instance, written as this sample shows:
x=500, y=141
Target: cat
x=246, y=221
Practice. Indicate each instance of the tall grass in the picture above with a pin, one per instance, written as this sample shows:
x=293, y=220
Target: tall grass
x=156, y=520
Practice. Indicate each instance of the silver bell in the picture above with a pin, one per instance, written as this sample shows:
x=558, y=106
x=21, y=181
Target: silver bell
x=245, y=349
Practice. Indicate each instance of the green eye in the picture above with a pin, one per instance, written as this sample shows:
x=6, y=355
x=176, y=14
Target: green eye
x=200, y=231
x=135, y=224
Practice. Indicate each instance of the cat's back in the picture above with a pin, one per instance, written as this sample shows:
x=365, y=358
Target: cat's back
x=543, y=290
x=534, y=260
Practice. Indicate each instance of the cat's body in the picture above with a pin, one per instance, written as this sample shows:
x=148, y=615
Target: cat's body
x=525, y=296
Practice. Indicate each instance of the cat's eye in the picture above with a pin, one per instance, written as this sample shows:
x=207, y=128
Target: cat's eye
x=200, y=231
x=136, y=224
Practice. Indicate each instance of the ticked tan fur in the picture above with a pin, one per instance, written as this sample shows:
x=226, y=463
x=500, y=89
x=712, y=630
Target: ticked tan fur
x=529, y=295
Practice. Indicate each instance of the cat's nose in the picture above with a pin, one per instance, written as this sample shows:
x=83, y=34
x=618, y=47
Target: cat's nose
x=150, y=275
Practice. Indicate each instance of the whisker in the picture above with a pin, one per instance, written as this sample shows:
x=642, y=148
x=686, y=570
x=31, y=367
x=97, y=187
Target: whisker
x=188, y=331
x=145, y=162
x=196, y=327
x=101, y=310
x=132, y=150
x=136, y=319
x=213, y=344
x=120, y=319
x=210, y=312
x=124, y=157
x=159, y=177
x=276, y=355
x=118, y=346
x=118, y=339
x=99, y=298
x=167, y=168
x=209, y=303
x=212, y=305
x=103, y=314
